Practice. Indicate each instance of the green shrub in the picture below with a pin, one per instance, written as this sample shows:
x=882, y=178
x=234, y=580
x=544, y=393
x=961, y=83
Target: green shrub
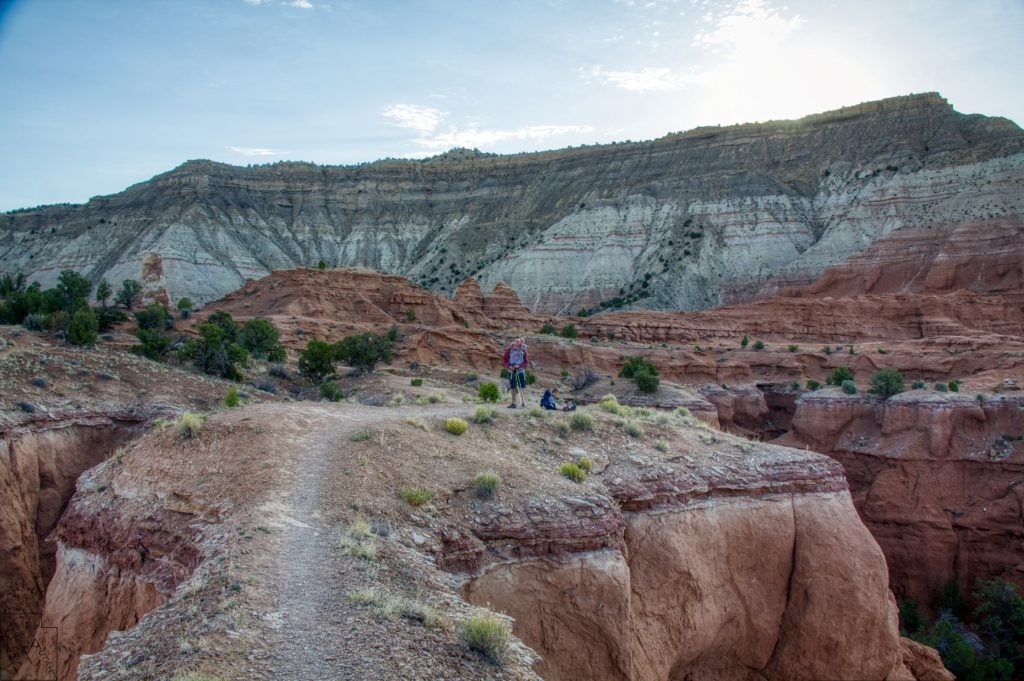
x=417, y=382
x=485, y=634
x=83, y=327
x=72, y=291
x=585, y=464
x=359, y=541
x=261, y=338
x=485, y=415
x=954, y=386
x=316, y=362
x=633, y=429
x=635, y=365
x=488, y=392
x=530, y=378
x=455, y=425
x=887, y=382
x=415, y=496
x=470, y=378
x=153, y=344
x=813, y=384
x=362, y=351
x=581, y=422
x=849, y=387
x=34, y=322
x=941, y=387
x=184, y=307
x=838, y=375
x=569, y=331
x=331, y=391
x=410, y=315
x=213, y=353
x=793, y=347
x=128, y=294
x=188, y=425
x=572, y=470
x=661, y=445
x=504, y=373
x=223, y=320
x=322, y=265
x=485, y=485
x=759, y=345
x=549, y=330
x=153, y=316
x=917, y=385
x=362, y=435
x=611, y=405
x=647, y=383
x=827, y=349
x=231, y=399
x=910, y=619
x=103, y=292
x=106, y=317
x=745, y=342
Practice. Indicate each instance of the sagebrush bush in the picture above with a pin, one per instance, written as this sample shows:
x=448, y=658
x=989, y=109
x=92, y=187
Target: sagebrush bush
x=485, y=634
x=759, y=345
x=661, y=445
x=415, y=496
x=849, y=387
x=331, y=391
x=231, y=399
x=813, y=384
x=572, y=470
x=455, y=425
x=941, y=387
x=416, y=382
x=485, y=485
x=416, y=423
x=188, y=425
x=362, y=435
x=917, y=385
x=359, y=542
x=485, y=415
x=633, y=429
x=548, y=330
x=581, y=422
x=838, y=375
x=488, y=392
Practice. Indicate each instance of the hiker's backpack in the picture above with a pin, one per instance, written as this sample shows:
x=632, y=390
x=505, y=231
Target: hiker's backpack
x=548, y=400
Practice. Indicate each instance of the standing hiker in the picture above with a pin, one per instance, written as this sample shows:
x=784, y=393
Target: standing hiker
x=515, y=360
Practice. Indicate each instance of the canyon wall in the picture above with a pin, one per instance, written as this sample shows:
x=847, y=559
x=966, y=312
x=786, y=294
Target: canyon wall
x=934, y=476
x=688, y=221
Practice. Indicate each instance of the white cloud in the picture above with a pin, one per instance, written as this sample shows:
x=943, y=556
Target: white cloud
x=651, y=79
x=751, y=26
x=301, y=4
x=427, y=122
x=255, y=151
x=423, y=119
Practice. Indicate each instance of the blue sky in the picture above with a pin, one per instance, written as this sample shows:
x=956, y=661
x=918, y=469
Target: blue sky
x=100, y=94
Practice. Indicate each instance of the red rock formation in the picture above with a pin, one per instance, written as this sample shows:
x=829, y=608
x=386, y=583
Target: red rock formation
x=932, y=477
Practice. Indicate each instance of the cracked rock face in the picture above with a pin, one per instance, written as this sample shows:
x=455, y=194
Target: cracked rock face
x=689, y=221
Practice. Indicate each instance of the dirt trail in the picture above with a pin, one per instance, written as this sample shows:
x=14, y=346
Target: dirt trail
x=315, y=638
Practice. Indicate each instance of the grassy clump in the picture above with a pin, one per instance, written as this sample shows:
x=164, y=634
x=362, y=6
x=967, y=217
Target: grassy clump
x=633, y=429
x=573, y=471
x=485, y=634
x=231, y=399
x=661, y=446
x=612, y=406
x=416, y=423
x=485, y=415
x=363, y=434
x=488, y=392
x=455, y=425
x=585, y=464
x=415, y=496
x=433, y=398
x=394, y=607
x=193, y=676
x=581, y=422
x=330, y=391
x=188, y=425
x=416, y=382
x=485, y=485
x=397, y=400
x=535, y=413
x=359, y=541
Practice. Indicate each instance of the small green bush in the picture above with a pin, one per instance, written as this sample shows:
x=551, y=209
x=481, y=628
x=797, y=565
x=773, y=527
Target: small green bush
x=661, y=445
x=759, y=345
x=585, y=464
x=393, y=333
x=417, y=382
x=485, y=634
x=849, y=387
x=231, y=399
x=316, y=362
x=188, y=425
x=530, y=378
x=504, y=372
x=455, y=425
x=565, y=373
x=954, y=386
x=572, y=470
x=941, y=387
x=793, y=347
x=485, y=415
x=362, y=435
x=83, y=327
x=745, y=342
x=261, y=338
x=569, y=331
x=647, y=383
x=331, y=391
x=827, y=349
x=488, y=392
x=581, y=422
x=415, y=496
x=887, y=382
x=485, y=485
x=362, y=351
x=633, y=429
x=813, y=384
x=838, y=375
x=917, y=385
x=549, y=330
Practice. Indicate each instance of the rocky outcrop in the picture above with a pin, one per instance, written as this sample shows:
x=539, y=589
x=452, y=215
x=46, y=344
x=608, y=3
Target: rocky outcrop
x=934, y=476
x=687, y=221
x=704, y=566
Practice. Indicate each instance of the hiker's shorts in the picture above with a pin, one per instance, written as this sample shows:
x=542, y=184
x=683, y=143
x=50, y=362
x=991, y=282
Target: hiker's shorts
x=517, y=379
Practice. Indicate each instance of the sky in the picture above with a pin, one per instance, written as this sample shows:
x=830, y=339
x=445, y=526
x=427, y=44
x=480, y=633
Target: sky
x=100, y=94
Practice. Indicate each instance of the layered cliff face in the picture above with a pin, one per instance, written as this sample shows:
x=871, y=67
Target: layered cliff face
x=934, y=476
x=684, y=222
